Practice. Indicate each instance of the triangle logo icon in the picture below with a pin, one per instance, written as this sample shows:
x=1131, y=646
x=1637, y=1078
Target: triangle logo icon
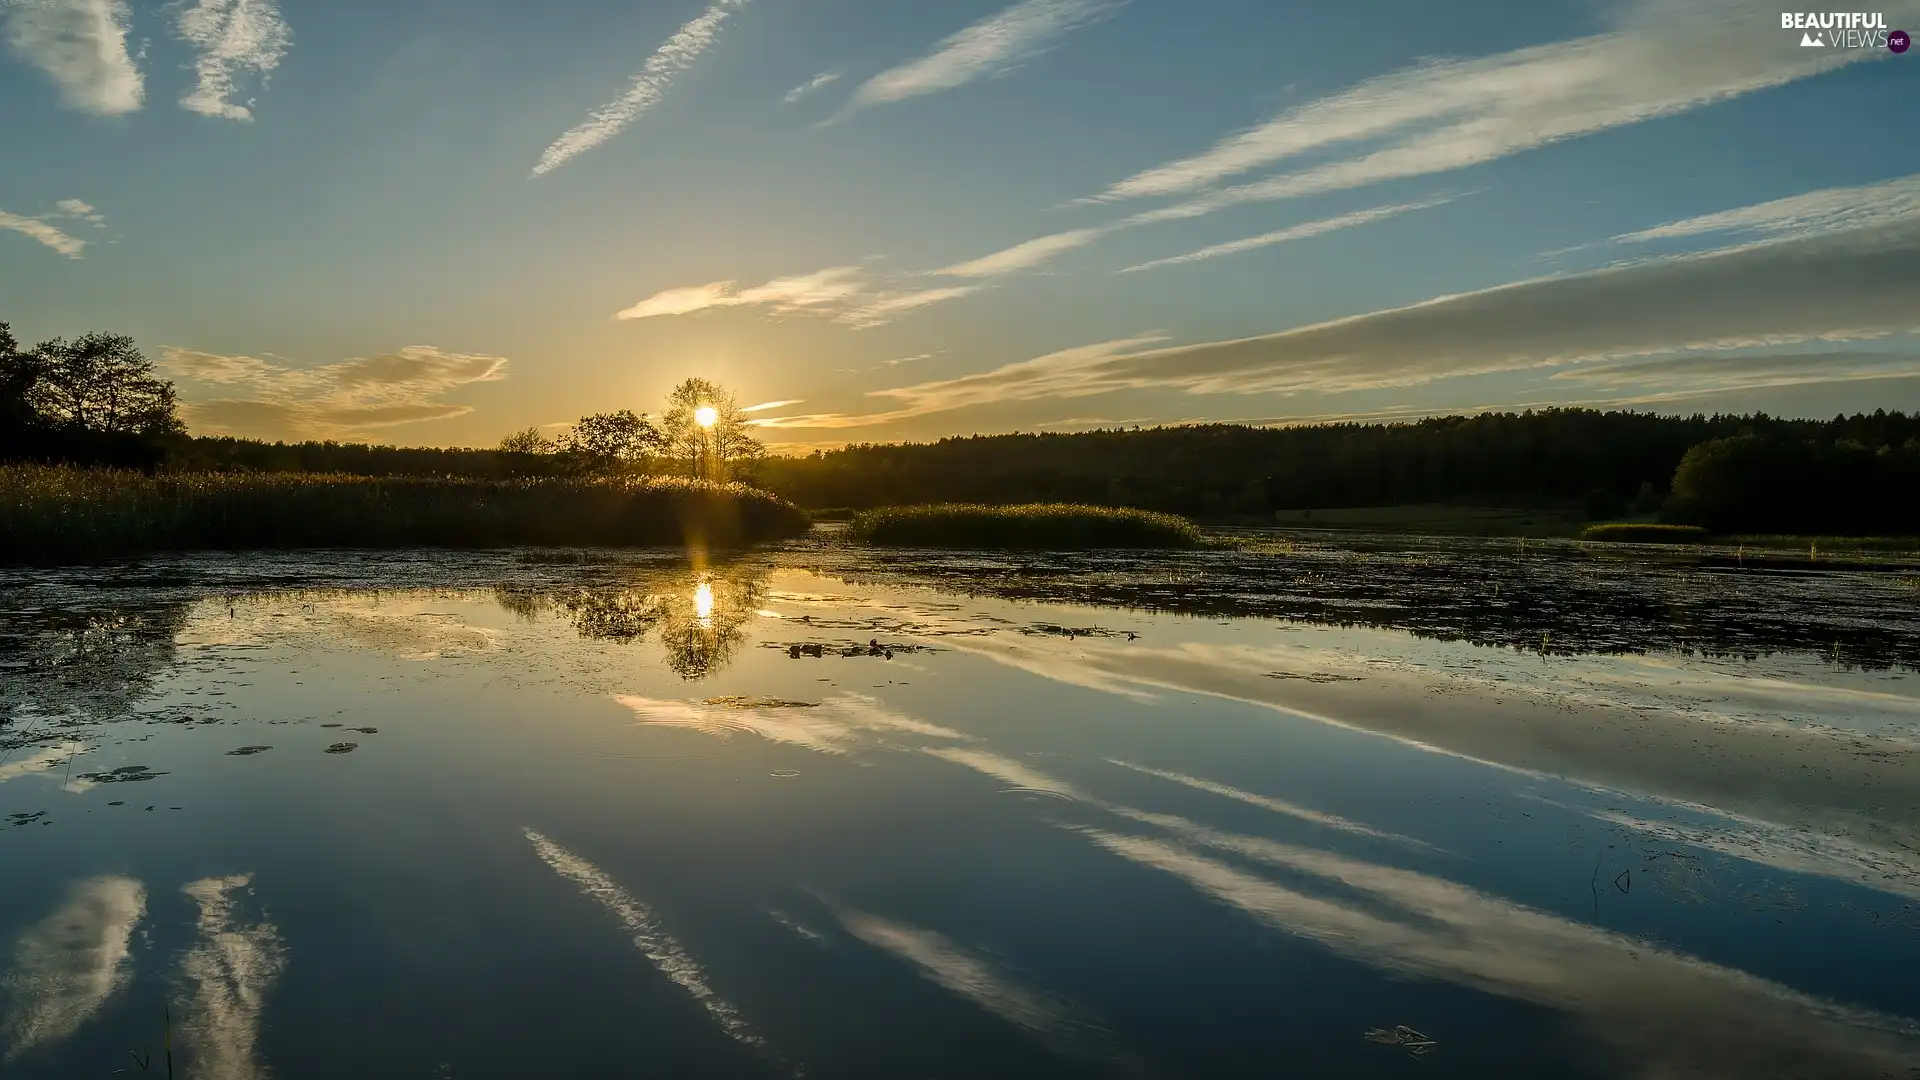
x=1808, y=41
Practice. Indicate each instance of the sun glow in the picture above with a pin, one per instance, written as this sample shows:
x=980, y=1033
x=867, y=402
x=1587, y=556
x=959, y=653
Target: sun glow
x=703, y=603
x=706, y=416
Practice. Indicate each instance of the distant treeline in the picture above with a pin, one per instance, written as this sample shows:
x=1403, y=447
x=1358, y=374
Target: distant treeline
x=1617, y=463
x=97, y=400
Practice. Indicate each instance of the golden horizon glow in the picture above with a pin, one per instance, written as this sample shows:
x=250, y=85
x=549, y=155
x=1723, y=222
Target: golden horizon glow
x=706, y=416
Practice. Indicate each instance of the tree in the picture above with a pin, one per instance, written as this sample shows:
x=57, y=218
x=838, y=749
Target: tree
x=530, y=441
x=610, y=441
x=101, y=384
x=711, y=450
x=18, y=373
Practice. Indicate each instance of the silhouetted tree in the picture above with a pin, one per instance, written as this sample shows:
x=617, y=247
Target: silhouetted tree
x=102, y=383
x=530, y=441
x=714, y=451
x=606, y=442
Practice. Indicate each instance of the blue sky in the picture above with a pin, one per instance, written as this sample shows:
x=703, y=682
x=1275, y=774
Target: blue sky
x=437, y=222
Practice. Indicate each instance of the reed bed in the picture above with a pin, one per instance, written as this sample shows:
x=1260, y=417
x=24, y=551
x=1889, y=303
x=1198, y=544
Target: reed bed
x=1032, y=526
x=64, y=515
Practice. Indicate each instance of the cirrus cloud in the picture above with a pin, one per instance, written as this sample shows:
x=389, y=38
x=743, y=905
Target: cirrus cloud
x=649, y=87
x=993, y=46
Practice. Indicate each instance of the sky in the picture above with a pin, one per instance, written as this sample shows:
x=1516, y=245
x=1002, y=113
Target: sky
x=434, y=222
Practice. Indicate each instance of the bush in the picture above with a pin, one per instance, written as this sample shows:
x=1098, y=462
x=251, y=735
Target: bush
x=1751, y=484
x=69, y=515
x=1624, y=532
x=1042, y=526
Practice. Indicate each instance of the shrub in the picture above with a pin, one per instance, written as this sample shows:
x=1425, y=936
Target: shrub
x=1625, y=532
x=1044, y=526
x=67, y=515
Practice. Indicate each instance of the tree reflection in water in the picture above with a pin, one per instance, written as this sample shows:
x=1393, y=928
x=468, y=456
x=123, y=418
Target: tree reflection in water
x=697, y=616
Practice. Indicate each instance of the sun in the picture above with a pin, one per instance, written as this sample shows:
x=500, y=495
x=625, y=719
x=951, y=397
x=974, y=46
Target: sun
x=706, y=416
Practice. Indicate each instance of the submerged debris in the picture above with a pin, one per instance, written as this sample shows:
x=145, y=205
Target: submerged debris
x=26, y=818
x=1071, y=632
x=343, y=748
x=874, y=647
x=125, y=774
x=1314, y=677
x=1403, y=1036
x=248, y=751
x=737, y=701
x=366, y=730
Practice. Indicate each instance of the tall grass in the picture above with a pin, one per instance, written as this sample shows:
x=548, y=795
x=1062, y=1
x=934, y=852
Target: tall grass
x=1042, y=526
x=74, y=515
x=1630, y=532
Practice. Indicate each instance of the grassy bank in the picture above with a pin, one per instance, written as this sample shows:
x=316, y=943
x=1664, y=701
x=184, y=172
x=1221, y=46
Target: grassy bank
x=1635, y=532
x=1034, y=526
x=50, y=515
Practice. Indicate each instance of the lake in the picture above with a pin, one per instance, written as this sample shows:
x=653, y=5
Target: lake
x=1386, y=808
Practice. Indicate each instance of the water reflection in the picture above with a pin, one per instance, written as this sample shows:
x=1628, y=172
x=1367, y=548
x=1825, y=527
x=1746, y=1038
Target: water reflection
x=82, y=662
x=66, y=966
x=667, y=955
x=1063, y=1027
x=1658, y=1012
x=228, y=973
x=698, y=617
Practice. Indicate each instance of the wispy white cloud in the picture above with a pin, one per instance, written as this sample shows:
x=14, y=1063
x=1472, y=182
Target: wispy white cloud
x=269, y=397
x=67, y=965
x=993, y=46
x=1868, y=206
x=1713, y=372
x=1026, y=255
x=649, y=87
x=82, y=46
x=238, y=41
x=1294, y=232
x=846, y=294
x=1057, y=374
x=1664, y=58
x=818, y=82
x=1839, y=286
x=51, y=235
x=765, y=405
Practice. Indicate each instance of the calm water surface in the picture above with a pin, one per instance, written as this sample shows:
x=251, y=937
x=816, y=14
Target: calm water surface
x=1442, y=810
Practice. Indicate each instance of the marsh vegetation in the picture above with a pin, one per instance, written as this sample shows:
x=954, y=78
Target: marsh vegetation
x=1033, y=526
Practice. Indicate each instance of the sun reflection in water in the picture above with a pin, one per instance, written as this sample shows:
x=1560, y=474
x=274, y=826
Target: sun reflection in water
x=703, y=603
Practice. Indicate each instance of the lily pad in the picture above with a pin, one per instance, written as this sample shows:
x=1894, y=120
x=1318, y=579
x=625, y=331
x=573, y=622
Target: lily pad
x=343, y=748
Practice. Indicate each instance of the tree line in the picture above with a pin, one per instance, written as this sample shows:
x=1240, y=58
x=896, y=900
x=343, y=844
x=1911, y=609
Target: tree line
x=96, y=400
x=1746, y=472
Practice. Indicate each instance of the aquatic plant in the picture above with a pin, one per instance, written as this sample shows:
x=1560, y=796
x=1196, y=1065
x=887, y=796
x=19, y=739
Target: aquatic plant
x=1629, y=532
x=1043, y=526
x=55, y=514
